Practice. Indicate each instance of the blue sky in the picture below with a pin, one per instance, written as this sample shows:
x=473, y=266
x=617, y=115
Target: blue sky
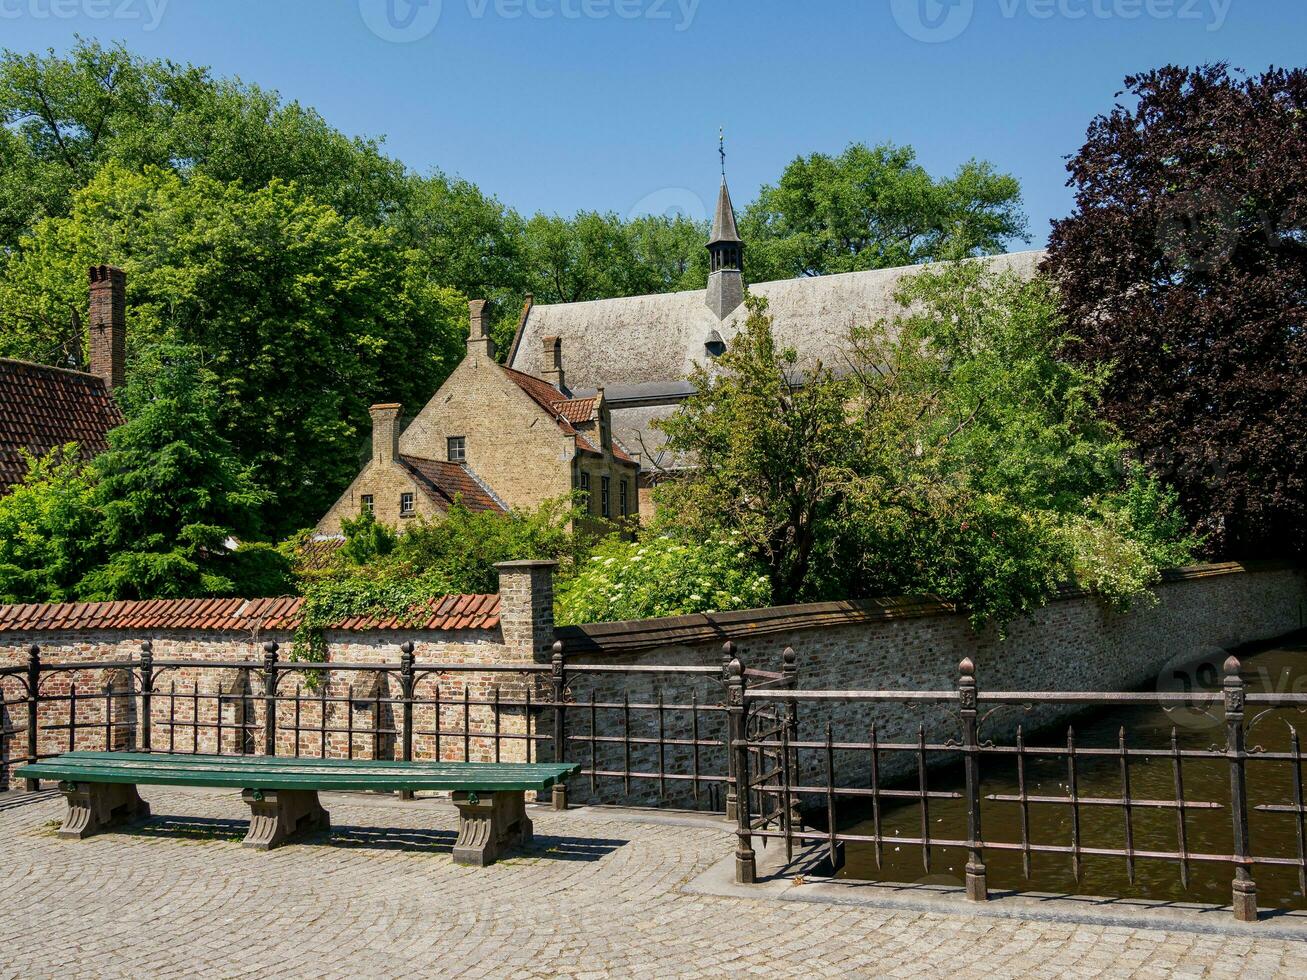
x=559, y=105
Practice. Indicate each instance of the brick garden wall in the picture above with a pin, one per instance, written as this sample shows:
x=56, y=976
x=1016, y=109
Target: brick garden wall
x=185, y=709
x=1074, y=643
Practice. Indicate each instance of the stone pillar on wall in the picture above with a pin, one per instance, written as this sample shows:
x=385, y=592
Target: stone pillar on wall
x=526, y=607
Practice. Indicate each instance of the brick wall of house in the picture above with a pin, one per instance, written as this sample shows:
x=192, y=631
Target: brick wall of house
x=512, y=444
x=385, y=482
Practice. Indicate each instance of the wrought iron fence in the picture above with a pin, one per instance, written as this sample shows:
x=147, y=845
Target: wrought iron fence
x=643, y=733
x=821, y=775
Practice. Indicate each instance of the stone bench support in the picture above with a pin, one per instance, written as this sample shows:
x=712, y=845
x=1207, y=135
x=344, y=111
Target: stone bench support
x=276, y=815
x=93, y=807
x=488, y=825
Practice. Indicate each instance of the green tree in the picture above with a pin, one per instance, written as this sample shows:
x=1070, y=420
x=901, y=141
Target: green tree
x=69, y=115
x=304, y=318
x=155, y=516
x=47, y=526
x=874, y=208
x=771, y=449
x=169, y=493
x=956, y=455
x=470, y=242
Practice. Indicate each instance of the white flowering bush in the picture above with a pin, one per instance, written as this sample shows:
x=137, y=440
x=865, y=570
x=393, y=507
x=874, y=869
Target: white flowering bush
x=661, y=576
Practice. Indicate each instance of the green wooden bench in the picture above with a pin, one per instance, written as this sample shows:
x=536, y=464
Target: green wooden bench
x=282, y=793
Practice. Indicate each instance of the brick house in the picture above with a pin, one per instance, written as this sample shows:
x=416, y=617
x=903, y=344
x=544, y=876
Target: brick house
x=497, y=438
x=43, y=407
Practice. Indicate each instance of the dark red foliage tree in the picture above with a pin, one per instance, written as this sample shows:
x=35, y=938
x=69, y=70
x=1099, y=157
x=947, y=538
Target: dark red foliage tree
x=1184, y=266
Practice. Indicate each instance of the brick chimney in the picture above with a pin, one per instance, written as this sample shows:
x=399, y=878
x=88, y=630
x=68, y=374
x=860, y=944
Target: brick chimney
x=385, y=433
x=552, y=370
x=107, y=338
x=605, y=420
x=478, y=336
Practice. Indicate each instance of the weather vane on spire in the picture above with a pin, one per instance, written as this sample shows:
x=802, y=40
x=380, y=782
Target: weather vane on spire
x=721, y=147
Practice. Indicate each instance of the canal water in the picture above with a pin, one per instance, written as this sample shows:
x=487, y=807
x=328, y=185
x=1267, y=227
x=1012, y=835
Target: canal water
x=1281, y=668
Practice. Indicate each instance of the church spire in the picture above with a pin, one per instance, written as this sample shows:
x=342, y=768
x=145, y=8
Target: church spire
x=726, y=282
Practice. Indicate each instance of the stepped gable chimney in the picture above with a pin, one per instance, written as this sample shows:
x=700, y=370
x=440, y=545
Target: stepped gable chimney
x=478, y=336
x=385, y=432
x=553, y=362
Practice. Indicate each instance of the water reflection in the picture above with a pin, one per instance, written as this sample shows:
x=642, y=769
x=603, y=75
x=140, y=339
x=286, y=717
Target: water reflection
x=1282, y=669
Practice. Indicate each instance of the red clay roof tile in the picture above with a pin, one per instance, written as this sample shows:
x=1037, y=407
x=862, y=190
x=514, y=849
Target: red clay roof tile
x=42, y=407
x=235, y=615
x=443, y=481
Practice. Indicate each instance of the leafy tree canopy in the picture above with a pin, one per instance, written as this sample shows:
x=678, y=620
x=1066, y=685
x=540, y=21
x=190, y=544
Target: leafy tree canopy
x=69, y=115
x=874, y=208
x=1184, y=267
x=153, y=516
x=954, y=454
x=304, y=318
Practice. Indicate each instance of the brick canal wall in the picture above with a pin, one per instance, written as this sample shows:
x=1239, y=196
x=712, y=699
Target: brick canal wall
x=1074, y=643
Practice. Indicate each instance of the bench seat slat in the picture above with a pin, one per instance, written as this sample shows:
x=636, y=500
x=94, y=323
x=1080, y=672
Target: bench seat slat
x=262, y=772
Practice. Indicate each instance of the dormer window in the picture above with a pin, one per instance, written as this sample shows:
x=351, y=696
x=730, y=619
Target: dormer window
x=456, y=449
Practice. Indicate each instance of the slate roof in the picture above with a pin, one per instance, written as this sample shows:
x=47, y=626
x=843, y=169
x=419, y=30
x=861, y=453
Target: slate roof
x=622, y=344
x=442, y=481
x=455, y=612
x=42, y=407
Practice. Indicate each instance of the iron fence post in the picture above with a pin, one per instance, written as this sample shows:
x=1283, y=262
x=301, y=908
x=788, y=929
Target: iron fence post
x=407, y=685
x=746, y=869
x=728, y=656
x=270, y=698
x=147, y=694
x=33, y=690
x=977, y=890
x=559, y=667
x=1244, y=889
x=790, y=755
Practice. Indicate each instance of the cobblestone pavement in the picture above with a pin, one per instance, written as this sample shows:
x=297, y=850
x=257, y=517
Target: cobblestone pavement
x=598, y=896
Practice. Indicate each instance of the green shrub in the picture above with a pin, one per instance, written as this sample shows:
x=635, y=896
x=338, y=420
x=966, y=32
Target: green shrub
x=661, y=576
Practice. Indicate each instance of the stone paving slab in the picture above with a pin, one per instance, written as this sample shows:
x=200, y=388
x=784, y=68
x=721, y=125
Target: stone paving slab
x=601, y=893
